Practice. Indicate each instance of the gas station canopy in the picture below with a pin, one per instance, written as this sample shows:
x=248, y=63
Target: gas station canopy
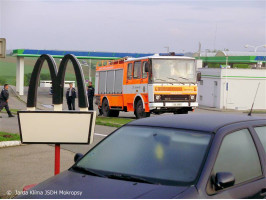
x=78, y=54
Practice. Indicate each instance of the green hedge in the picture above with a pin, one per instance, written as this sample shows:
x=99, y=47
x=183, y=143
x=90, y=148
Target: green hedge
x=3, y=81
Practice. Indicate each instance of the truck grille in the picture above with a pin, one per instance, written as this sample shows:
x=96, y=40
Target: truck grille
x=168, y=89
x=176, y=89
x=176, y=98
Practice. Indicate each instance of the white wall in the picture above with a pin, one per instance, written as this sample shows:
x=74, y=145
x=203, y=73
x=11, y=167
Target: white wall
x=209, y=92
x=242, y=85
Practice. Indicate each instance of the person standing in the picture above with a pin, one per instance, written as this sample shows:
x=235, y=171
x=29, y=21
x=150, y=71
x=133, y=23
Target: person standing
x=90, y=93
x=4, y=96
x=70, y=97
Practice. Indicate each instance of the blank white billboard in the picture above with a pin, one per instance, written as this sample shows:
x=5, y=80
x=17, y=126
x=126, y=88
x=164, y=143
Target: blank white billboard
x=56, y=127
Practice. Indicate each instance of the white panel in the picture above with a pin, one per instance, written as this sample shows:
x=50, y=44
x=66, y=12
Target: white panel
x=56, y=127
x=151, y=92
x=102, y=82
x=135, y=88
x=199, y=64
x=110, y=82
x=118, y=81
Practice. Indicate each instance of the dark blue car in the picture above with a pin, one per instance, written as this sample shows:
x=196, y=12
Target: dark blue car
x=171, y=156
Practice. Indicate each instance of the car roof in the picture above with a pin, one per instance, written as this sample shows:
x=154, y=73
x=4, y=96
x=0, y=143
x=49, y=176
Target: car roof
x=195, y=121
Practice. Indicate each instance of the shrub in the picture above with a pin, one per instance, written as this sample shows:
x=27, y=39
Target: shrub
x=45, y=77
x=27, y=79
x=42, y=77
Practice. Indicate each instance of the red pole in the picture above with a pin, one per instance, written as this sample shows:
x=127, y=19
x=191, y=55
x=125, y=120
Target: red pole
x=57, y=159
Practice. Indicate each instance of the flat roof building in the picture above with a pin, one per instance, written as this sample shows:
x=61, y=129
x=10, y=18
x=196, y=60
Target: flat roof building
x=231, y=88
x=253, y=59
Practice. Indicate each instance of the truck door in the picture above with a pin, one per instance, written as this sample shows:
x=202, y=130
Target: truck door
x=129, y=73
x=137, y=74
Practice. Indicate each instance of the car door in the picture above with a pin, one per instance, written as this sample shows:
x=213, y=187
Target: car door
x=260, y=134
x=238, y=154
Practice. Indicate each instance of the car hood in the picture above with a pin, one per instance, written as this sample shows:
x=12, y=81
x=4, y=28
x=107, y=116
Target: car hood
x=76, y=185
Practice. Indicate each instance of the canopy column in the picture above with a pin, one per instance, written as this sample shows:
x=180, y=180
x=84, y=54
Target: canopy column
x=20, y=75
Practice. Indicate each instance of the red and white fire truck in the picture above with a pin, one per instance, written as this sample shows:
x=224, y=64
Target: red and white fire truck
x=154, y=84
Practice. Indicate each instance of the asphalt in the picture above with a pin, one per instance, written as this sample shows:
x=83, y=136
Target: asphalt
x=30, y=164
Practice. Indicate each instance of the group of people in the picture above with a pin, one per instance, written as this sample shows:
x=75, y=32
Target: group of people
x=4, y=96
x=71, y=96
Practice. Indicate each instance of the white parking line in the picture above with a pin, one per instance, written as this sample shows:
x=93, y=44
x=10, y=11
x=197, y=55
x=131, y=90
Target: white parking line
x=99, y=134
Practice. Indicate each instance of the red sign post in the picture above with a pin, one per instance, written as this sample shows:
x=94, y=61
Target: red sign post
x=57, y=159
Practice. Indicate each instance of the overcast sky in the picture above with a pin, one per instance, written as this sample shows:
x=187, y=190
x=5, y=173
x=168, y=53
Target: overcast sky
x=133, y=26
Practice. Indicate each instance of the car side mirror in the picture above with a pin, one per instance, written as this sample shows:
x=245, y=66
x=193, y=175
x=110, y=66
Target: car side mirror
x=223, y=180
x=77, y=157
x=198, y=76
x=146, y=67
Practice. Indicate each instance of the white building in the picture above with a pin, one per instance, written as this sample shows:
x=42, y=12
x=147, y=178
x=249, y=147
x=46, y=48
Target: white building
x=232, y=88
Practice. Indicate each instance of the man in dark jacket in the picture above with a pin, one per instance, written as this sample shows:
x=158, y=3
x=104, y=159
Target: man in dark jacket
x=4, y=100
x=90, y=95
x=70, y=97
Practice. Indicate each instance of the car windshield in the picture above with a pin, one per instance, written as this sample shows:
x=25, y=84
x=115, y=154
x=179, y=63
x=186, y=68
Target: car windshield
x=173, y=70
x=160, y=155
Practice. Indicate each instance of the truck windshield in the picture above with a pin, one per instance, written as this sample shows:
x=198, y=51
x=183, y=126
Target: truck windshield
x=173, y=70
x=157, y=155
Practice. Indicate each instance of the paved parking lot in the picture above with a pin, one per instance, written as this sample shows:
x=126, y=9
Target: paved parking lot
x=28, y=164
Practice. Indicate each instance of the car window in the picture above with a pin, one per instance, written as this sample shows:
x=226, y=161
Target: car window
x=239, y=156
x=129, y=71
x=261, y=131
x=137, y=70
x=163, y=155
x=144, y=74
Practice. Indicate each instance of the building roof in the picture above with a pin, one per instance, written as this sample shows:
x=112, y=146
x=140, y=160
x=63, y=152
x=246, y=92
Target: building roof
x=229, y=53
x=195, y=121
x=239, y=53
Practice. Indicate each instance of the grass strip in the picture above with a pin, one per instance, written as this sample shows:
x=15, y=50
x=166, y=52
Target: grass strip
x=14, y=111
x=9, y=136
x=112, y=121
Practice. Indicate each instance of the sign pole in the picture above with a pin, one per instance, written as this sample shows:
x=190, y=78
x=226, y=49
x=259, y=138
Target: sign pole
x=57, y=107
x=57, y=159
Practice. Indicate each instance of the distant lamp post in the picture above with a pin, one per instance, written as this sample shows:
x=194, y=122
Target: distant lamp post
x=255, y=47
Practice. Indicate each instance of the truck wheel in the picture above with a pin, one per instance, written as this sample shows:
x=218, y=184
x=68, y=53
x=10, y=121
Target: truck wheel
x=114, y=113
x=140, y=111
x=105, y=108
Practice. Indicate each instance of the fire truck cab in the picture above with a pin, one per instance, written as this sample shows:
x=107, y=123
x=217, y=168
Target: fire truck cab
x=155, y=84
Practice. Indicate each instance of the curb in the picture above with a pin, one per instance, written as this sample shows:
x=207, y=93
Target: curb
x=9, y=143
x=220, y=110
